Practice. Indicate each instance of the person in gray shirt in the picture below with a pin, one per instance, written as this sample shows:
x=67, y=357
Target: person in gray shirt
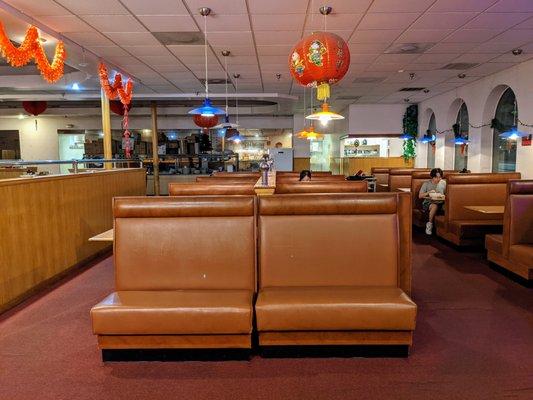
x=435, y=185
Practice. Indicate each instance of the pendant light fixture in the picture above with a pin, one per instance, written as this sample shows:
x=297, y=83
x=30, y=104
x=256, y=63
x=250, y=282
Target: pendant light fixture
x=226, y=124
x=459, y=139
x=325, y=115
x=428, y=137
x=514, y=133
x=207, y=109
x=235, y=134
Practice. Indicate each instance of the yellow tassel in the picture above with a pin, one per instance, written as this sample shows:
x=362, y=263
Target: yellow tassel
x=322, y=91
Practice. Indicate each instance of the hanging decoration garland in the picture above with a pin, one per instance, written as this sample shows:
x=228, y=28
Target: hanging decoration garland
x=124, y=94
x=31, y=47
x=410, y=129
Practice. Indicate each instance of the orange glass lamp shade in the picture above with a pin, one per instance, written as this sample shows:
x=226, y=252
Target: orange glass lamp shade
x=205, y=122
x=319, y=60
x=325, y=115
x=309, y=133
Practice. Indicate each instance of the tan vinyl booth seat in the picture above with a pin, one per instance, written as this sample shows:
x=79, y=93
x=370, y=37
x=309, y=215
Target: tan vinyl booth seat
x=322, y=187
x=335, y=269
x=401, y=177
x=208, y=189
x=465, y=227
x=184, y=274
x=513, y=250
x=382, y=178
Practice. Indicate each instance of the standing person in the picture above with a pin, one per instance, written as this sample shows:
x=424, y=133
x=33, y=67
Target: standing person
x=435, y=185
x=305, y=175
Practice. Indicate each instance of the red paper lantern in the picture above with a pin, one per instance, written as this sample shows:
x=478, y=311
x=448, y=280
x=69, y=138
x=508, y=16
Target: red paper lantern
x=117, y=107
x=320, y=60
x=205, y=122
x=35, y=107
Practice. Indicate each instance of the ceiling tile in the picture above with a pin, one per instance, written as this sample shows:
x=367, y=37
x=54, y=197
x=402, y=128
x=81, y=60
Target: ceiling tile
x=362, y=58
x=416, y=66
x=375, y=36
x=38, y=8
x=217, y=6
x=370, y=48
x=343, y=34
x=474, y=58
x=388, y=20
x=271, y=7
x=424, y=35
x=156, y=7
x=168, y=23
x=93, y=7
x=337, y=21
x=526, y=24
x=167, y=89
x=224, y=23
x=168, y=59
x=396, y=58
x=512, y=6
x=228, y=39
x=496, y=20
x=114, y=23
x=517, y=37
x=472, y=35
x=488, y=69
x=242, y=60
x=235, y=50
x=278, y=22
x=434, y=58
x=274, y=50
x=385, y=67
x=147, y=50
x=137, y=69
x=177, y=67
x=133, y=38
x=462, y=5
x=186, y=50
x=273, y=60
x=451, y=48
x=511, y=58
x=492, y=47
x=342, y=6
x=65, y=23
x=180, y=76
x=125, y=60
x=400, y=6
x=104, y=51
x=89, y=38
x=450, y=20
x=276, y=37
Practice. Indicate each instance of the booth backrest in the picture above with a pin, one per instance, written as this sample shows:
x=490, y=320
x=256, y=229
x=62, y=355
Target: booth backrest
x=224, y=174
x=321, y=178
x=518, y=217
x=322, y=187
x=226, y=179
x=296, y=173
x=381, y=175
x=401, y=177
x=483, y=189
x=209, y=189
x=171, y=243
x=335, y=240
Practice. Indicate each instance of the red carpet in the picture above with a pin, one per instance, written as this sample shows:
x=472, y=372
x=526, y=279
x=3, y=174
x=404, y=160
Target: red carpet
x=474, y=340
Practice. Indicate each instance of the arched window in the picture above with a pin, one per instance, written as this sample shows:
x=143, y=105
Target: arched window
x=432, y=127
x=504, y=150
x=461, y=149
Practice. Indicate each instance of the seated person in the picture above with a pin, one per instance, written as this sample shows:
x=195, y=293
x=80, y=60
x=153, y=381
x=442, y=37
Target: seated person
x=435, y=185
x=305, y=175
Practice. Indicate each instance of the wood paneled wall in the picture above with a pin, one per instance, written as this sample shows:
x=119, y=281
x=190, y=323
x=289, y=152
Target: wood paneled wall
x=301, y=163
x=45, y=224
x=350, y=165
x=10, y=173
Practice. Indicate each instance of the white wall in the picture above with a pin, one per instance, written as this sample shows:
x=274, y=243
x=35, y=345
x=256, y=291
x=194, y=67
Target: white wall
x=481, y=98
x=376, y=119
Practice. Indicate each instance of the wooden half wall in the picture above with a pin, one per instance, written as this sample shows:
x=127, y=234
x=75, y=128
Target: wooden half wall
x=350, y=165
x=45, y=224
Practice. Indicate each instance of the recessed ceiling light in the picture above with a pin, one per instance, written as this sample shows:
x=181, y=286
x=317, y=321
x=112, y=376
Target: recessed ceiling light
x=517, y=52
x=461, y=76
x=401, y=70
x=83, y=64
x=42, y=40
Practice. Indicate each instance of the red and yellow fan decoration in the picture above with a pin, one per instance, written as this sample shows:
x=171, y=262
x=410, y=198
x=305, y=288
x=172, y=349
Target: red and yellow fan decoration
x=320, y=60
x=31, y=47
x=124, y=92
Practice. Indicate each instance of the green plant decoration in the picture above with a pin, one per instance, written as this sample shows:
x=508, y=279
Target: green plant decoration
x=410, y=127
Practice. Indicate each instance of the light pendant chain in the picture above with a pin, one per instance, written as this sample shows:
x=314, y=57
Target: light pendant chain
x=227, y=76
x=205, y=54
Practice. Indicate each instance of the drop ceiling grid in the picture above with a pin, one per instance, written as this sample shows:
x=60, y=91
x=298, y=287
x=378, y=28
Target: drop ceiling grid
x=482, y=31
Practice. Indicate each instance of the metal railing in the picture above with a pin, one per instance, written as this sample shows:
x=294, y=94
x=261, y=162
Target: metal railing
x=75, y=163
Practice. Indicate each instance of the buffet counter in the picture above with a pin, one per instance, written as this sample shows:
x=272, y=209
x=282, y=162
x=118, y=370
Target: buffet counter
x=46, y=222
x=350, y=165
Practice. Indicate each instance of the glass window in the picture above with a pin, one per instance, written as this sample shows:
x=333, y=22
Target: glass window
x=431, y=145
x=461, y=150
x=504, y=150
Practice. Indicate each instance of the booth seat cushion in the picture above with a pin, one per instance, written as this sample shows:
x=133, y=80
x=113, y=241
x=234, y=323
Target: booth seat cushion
x=494, y=243
x=337, y=308
x=522, y=254
x=472, y=229
x=175, y=312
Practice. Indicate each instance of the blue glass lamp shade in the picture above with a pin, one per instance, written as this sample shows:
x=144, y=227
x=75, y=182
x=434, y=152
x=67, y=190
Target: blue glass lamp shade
x=427, y=138
x=406, y=136
x=513, y=134
x=460, y=140
x=207, y=109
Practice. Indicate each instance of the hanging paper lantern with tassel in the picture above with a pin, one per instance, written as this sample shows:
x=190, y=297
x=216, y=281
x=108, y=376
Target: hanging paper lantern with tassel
x=35, y=108
x=320, y=60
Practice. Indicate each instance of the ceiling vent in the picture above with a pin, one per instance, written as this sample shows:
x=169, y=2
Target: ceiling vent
x=368, y=79
x=408, y=48
x=215, y=81
x=411, y=89
x=460, y=66
x=179, y=38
